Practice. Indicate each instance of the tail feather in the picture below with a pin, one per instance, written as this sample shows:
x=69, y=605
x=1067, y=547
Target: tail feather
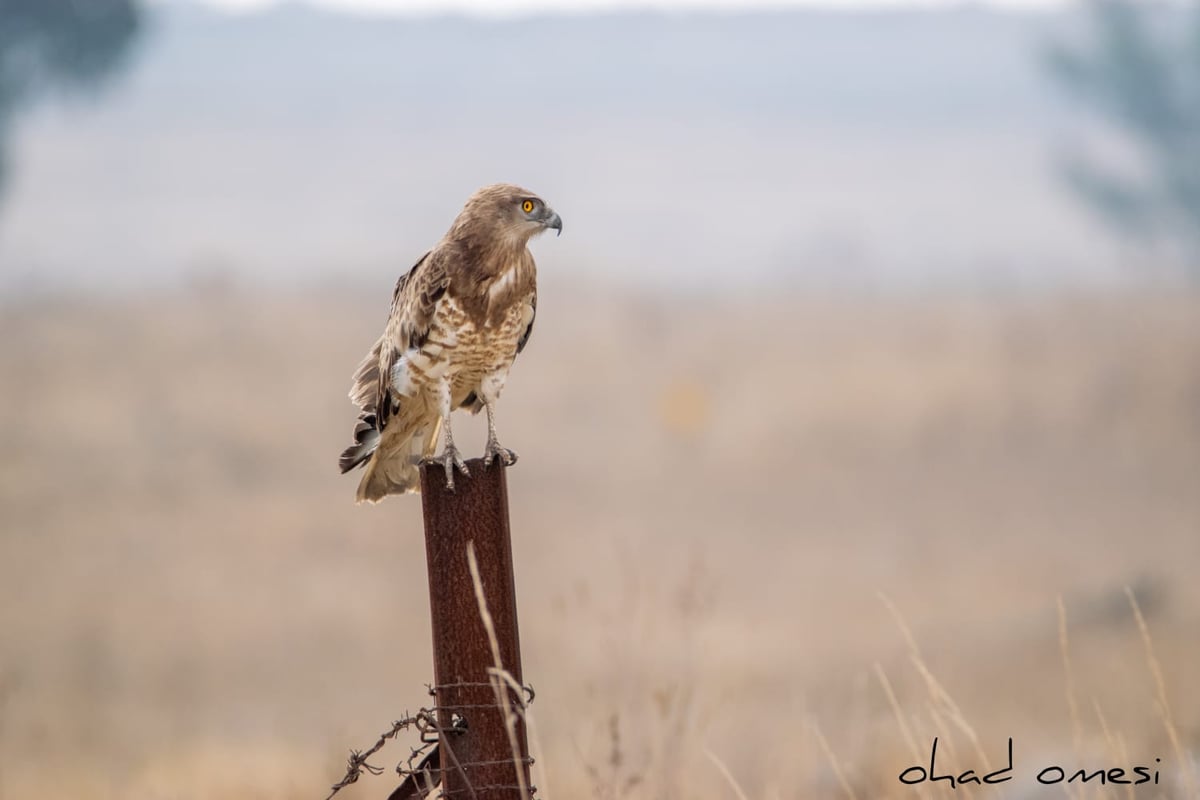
x=390, y=441
x=384, y=478
x=364, y=391
x=366, y=439
x=394, y=466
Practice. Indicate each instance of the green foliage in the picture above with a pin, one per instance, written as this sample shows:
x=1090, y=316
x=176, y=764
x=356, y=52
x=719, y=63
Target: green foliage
x=1140, y=68
x=47, y=44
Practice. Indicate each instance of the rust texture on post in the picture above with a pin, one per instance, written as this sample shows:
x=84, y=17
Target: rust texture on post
x=478, y=761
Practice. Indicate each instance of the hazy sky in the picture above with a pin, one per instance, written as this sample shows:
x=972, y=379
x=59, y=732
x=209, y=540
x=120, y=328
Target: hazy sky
x=503, y=7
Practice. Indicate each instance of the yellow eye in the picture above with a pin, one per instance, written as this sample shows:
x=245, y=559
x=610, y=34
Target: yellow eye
x=527, y=206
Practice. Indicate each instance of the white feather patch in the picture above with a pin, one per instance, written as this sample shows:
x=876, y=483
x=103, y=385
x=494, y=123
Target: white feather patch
x=402, y=381
x=430, y=364
x=505, y=280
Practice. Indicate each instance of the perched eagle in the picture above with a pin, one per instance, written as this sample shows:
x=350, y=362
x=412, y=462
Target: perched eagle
x=459, y=317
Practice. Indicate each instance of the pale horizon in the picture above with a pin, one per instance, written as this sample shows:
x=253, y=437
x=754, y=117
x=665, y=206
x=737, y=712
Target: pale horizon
x=502, y=8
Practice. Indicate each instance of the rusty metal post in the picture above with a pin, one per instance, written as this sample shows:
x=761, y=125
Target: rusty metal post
x=477, y=758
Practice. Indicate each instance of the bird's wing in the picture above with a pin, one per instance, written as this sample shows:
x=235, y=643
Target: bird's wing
x=414, y=303
x=529, y=312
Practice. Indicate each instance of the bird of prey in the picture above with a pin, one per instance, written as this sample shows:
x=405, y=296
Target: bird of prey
x=459, y=317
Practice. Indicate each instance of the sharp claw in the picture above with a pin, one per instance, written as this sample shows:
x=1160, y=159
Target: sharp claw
x=450, y=460
x=494, y=450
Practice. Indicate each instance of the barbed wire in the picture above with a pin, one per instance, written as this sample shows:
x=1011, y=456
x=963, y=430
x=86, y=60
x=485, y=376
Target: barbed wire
x=489, y=787
x=526, y=689
x=420, y=767
x=357, y=761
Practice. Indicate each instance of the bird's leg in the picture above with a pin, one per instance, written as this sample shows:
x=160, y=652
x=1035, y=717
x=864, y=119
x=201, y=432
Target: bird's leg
x=450, y=457
x=489, y=392
x=494, y=450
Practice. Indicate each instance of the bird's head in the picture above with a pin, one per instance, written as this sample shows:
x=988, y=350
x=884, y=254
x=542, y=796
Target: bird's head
x=515, y=213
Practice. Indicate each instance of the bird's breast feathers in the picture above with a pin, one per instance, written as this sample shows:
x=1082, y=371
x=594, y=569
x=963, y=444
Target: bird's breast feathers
x=462, y=347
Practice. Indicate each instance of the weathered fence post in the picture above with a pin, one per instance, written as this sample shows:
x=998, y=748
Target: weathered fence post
x=477, y=753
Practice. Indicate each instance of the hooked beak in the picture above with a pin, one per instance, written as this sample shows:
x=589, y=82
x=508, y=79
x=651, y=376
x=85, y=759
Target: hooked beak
x=552, y=220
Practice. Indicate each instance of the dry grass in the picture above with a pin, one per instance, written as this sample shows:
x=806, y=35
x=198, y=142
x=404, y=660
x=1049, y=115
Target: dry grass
x=711, y=499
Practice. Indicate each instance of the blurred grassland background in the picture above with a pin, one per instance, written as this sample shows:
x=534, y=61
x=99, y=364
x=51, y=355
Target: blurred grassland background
x=827, y=336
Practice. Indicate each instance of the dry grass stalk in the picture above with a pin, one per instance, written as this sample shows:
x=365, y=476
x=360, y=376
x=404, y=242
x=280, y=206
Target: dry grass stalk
x=833, y=761
x=502, y=679
x=1072, y=703
x=1160, y=699
x=937, y=692
x=726, y=774
x=905, y=729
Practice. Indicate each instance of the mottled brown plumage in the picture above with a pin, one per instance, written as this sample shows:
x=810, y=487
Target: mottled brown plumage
x=458, y=319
